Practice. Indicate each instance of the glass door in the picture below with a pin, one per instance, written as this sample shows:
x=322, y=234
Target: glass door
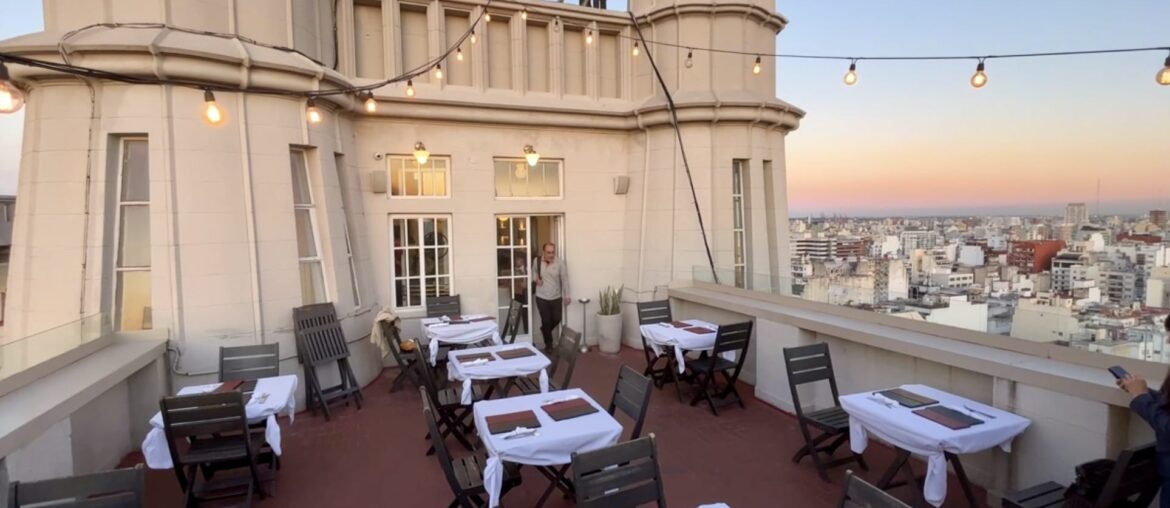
x=513, y=261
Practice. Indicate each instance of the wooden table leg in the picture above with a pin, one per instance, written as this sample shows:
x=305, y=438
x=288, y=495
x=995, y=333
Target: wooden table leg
x=963, y=481
x=556, y=480
x=888, y=477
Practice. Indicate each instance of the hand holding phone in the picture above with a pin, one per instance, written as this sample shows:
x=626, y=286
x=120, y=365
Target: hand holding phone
x=1118, y=372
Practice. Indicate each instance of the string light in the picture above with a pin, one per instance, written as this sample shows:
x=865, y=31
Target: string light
x=690, y=58
x=851, y=76
x=756, y=67
x=1163, y=76
x=438, y=71
x=421, y=154
x=524, y=14
x=459, y=54
x=311, y=111
x=211, y=111
x=11, y=98
x=635, y=51
x=487, y=17
x=530, y=155
x=371, y=104
x=979, y=79
x=473, y=39
x=589, y=37
x=410, y=88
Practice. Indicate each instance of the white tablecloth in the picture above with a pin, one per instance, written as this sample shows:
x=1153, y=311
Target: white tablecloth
x=281, y=398
x=552, y=445
x=498, y=368
x=664, y=334
x=438, y=331
x=898, y=426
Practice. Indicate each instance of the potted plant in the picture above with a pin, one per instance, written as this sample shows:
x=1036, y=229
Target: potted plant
x=609, y=319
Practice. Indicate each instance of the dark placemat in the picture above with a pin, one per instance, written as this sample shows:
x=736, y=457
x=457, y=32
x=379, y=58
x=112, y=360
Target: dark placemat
x=462, y=321
x=907, y=398
x=679, y=324
x=565, y=410
x=475, y=356
x=247, y=387
x=499, y=424
x=947, y=417
x=512, y=354
x=699, y=330
x=228, y=386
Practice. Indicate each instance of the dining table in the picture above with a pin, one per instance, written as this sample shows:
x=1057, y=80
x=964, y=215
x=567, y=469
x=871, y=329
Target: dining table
x=460, y=330
x=491, y=363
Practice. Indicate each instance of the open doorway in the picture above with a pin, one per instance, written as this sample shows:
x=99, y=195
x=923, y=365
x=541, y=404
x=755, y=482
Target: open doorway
x=518, y=242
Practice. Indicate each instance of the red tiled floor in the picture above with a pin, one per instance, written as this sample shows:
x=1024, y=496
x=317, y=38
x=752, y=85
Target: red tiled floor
x=375, y=456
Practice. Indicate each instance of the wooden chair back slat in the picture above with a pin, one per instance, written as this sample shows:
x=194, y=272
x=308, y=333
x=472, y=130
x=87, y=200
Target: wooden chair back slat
x=320, y=338
x=657, y=311
x=631, y=395
x=441, y=453
x=623, y=475
x=1134, y=478
x=203, y=414
x=426, y=371
x=438, y=306
x=120, y=488
x=809, y=364
x=733, y=337
x=860, y=494
x=246, y=363
x=512, y=323
x=567, y=350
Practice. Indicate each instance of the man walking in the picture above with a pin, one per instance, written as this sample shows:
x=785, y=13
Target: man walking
x=552, y=291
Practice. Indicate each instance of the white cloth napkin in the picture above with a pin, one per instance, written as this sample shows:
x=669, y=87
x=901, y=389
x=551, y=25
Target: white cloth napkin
x=883, y=400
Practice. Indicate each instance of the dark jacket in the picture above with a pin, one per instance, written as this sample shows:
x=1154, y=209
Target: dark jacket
x=1149, y=406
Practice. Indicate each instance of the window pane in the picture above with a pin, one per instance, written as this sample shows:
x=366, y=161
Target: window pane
x=503, y=263
x=411, y=179
x=444, y=263
x=134, y=249
x=306, y=244
x=503, y=180
x=411, y=232
x=300, y=178
x=519, y=231
x=428, y=226
x=133, y=300
x=399, y=232
x=135, y=171
x=519, y=178
x=736, y=171
x=552, y=180
x=737, y=207
x=519, y=262
x=353, y=282
x=413, y=264
x=443, y=237
x=396, y=188
x=400, y=293
x=738, y=247
x=312, y=283
x=414, y=287
x=502, y=228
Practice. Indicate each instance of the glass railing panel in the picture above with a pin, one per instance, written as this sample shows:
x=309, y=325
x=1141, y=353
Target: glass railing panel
x=17, y=355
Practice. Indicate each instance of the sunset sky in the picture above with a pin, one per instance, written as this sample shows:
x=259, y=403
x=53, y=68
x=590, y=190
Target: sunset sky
x=915, y=137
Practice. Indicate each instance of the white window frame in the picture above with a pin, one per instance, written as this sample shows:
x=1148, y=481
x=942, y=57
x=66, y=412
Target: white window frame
x=119, y=270
x=738, y=266
x=513, y=160
x=313, y=225
x=394, y=278
x=409, y=159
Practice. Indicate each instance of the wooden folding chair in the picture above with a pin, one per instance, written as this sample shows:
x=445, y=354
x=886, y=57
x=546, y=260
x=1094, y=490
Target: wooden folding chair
x=464, y=475
x=246, y=363
x=1134, y=481
x=650, y=313
x=565, y=354
x=625, y=475
x=408, y=370
x=811, y=364
x=449, y=409
x=321, y=342
x=729, y=338
x=120, y=488
x=439, y=306
x=214, y=429
x=512, y=322
x=631, y=395
x=860, y=494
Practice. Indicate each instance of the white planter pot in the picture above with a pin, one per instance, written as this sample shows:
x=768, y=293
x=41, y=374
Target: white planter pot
x=609, y=331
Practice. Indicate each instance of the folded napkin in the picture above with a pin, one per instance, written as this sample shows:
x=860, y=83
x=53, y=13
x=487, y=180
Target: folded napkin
x=883, y=400
x=472, y=363
x=560, y=399
x=518, y=431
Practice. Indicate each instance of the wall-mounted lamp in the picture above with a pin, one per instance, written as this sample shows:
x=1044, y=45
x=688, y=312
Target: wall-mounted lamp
x=530, y=155
x=421, y=154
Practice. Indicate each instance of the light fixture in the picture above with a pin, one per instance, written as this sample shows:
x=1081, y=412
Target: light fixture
x=635, y=51
x=487, y=16
x=589, y=37
x=979, y=78
x=756, y=67
x=459, y=54
x=211, y=112
x=438, y=71
x=311, y=111
x=371, y=104
x=410, y=88
x=473, y=39
x=11, y=98
x=1163, y=76
x=524, y=14
x=690, y=58
x=851, y=76
x=530, y=155
x=421, y=154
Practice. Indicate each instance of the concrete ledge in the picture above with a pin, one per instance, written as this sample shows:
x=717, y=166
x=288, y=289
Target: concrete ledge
x=27, y=412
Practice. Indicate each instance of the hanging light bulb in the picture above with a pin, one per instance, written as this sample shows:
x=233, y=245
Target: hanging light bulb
x=311, y=111
x=1163, y=76
x=459, y=54
x=530, y=155
x=524, y=14
x=487, y=16
x=371, y=104
x=211, y=112
x=756, y=67
x=473, y=39
x=690, y=58
x=589, y=37
x=11, y=98
x=421, y=154
x=438, y=71
x=409, y=88
x=851, y=76
x=635, y=51
x=979, y=78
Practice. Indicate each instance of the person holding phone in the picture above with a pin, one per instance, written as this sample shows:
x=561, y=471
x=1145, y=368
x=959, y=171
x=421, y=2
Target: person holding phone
x=1154, y=407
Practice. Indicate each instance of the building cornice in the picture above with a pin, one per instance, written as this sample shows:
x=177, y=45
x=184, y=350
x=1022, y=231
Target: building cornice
x=750, y=11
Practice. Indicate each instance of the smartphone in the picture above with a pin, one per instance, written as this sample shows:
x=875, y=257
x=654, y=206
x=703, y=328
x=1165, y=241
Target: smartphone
x=1118, y=372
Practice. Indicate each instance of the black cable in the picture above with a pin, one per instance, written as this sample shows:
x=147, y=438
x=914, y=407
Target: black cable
x=682, y=149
